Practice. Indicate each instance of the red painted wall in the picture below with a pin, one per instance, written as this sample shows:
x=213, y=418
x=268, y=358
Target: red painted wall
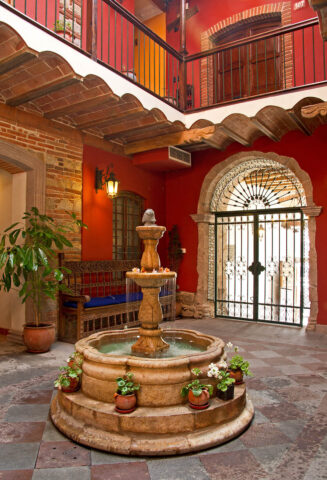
x=97, y=207
x=183, y=190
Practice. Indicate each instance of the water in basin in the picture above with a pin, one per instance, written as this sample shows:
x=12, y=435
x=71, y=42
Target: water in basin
x=177, y=347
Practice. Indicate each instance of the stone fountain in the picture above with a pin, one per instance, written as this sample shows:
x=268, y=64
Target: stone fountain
x=162, y=424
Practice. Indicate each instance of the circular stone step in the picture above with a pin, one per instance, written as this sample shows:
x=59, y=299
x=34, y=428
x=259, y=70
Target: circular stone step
x=151, y=431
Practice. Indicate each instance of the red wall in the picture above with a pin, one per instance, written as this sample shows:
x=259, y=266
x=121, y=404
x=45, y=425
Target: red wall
x=183, y=190
x=97, y=207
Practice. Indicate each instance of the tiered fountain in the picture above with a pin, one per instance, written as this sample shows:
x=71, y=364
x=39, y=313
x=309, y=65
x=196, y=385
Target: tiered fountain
x=162, y=424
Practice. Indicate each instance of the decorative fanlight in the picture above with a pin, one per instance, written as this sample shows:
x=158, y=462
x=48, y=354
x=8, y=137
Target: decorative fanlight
x=108, y=179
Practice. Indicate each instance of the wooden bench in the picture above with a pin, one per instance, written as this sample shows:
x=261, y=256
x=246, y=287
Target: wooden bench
x=98, y=299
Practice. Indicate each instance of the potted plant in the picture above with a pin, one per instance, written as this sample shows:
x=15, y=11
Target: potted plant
x=198, y=394
x=28, y=258
x=125, y=396
x=225, y=386
x=64, y=29
x=75, y=360
x=237, y=366
x=69, y=380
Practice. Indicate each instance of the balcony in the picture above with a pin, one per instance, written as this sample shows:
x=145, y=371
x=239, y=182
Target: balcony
x=92, y=66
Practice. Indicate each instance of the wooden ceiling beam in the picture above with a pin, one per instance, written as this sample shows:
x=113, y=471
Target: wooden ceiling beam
x=38, y=92
x=160, y=4
x=106, y=122
x=121, y=131
x=235, y=136
x=80, y=106
x=20, y=57
x=265, y=130
x=195, y=135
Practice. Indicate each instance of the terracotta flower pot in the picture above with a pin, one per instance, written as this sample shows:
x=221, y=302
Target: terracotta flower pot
x=38, y=339
x=125, y=402
x=73, y=387
x=199, y=401
x=237, y=375
x=228, y=394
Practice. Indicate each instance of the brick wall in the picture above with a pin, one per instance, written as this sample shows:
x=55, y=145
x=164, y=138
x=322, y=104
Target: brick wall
x=207, y=73
x=63, y=159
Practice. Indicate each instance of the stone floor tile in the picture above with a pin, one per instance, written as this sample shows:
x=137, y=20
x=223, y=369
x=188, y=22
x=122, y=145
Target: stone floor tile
x=264, y=397
x=18, y=456
x=259, y=417
x=240, y=465
x=266, y=354
x=320, y=356
x=291, y=428
x=263, y=434
x=317, y=367
x=178, y=468
x=302, y=360
x=283, y=411
x=121, y=471
x=257, y=362
x=277, y=361
x=279, y=382
x=263, y=372
x=62, y=454
x=27, y=413
x=70, y=473
x=52, y=434
x=101, y=458
x=253, y=383
x=294, y=369
x=5, y=398
x=34, y=397
x=307, y=380
x=16, y=474
x=297, y=393
x=269, y=456
x=21, y=432
x=231, y=446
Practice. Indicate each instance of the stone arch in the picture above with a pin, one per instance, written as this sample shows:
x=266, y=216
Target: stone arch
x=34, y=166
x=205, y=219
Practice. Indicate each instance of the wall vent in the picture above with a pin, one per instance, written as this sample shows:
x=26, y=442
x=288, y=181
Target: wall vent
x=180, y=156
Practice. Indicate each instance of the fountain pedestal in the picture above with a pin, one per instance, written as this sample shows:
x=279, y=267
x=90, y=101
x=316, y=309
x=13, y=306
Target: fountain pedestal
x=151, y=281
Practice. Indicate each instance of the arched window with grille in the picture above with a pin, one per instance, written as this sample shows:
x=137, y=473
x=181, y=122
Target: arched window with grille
x=127, y=215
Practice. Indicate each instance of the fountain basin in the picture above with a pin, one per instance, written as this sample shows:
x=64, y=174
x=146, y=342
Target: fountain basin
x=149, y=279
x=161, y=378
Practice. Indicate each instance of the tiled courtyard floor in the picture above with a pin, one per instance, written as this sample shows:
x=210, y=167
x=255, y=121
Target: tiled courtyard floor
x=287, y=439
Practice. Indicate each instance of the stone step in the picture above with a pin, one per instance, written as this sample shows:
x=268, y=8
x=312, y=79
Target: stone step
x=162, y=420
x=86, y=432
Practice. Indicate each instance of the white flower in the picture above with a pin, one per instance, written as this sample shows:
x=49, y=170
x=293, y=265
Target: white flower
x=222, y=364
x=212, y=365
x=209, y=374
x=236, y=349
x=229, y=345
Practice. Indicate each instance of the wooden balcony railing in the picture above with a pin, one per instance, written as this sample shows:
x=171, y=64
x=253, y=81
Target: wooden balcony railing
x=283, y=59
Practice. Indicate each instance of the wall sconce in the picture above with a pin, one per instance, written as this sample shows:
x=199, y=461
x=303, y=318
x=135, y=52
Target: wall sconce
x=107, y=179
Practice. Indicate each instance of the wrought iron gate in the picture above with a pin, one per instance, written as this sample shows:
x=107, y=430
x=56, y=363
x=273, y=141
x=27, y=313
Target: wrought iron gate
x=259, y=265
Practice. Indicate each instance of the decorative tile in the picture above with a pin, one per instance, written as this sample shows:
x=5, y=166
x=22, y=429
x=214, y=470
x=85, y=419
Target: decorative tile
x=270, y=456
x=62, y=454
x=21, y=432
x=121, y=471
x=281, y=412
x=190, y=468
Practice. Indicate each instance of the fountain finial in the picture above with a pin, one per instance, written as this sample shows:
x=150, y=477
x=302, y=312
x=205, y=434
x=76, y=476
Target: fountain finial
x=149, y=218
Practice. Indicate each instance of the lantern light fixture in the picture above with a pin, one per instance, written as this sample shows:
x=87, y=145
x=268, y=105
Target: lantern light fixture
x=108, y=179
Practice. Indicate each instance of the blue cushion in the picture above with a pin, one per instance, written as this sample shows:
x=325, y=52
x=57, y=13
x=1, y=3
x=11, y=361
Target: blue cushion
x=109, y=300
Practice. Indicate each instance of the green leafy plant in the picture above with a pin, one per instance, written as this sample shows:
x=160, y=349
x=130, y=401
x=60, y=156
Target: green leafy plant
x=68, y=374
x=238, y=363
x=75, y=360
x=195, y=386
x=28, y=257
x=126, y=385
x=224, y=381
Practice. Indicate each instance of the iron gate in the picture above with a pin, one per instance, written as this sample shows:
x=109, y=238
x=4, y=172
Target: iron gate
x=259, y=265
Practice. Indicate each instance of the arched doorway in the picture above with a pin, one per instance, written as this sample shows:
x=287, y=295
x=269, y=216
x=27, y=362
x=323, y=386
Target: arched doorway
x=276, y=202
x=260, y=245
